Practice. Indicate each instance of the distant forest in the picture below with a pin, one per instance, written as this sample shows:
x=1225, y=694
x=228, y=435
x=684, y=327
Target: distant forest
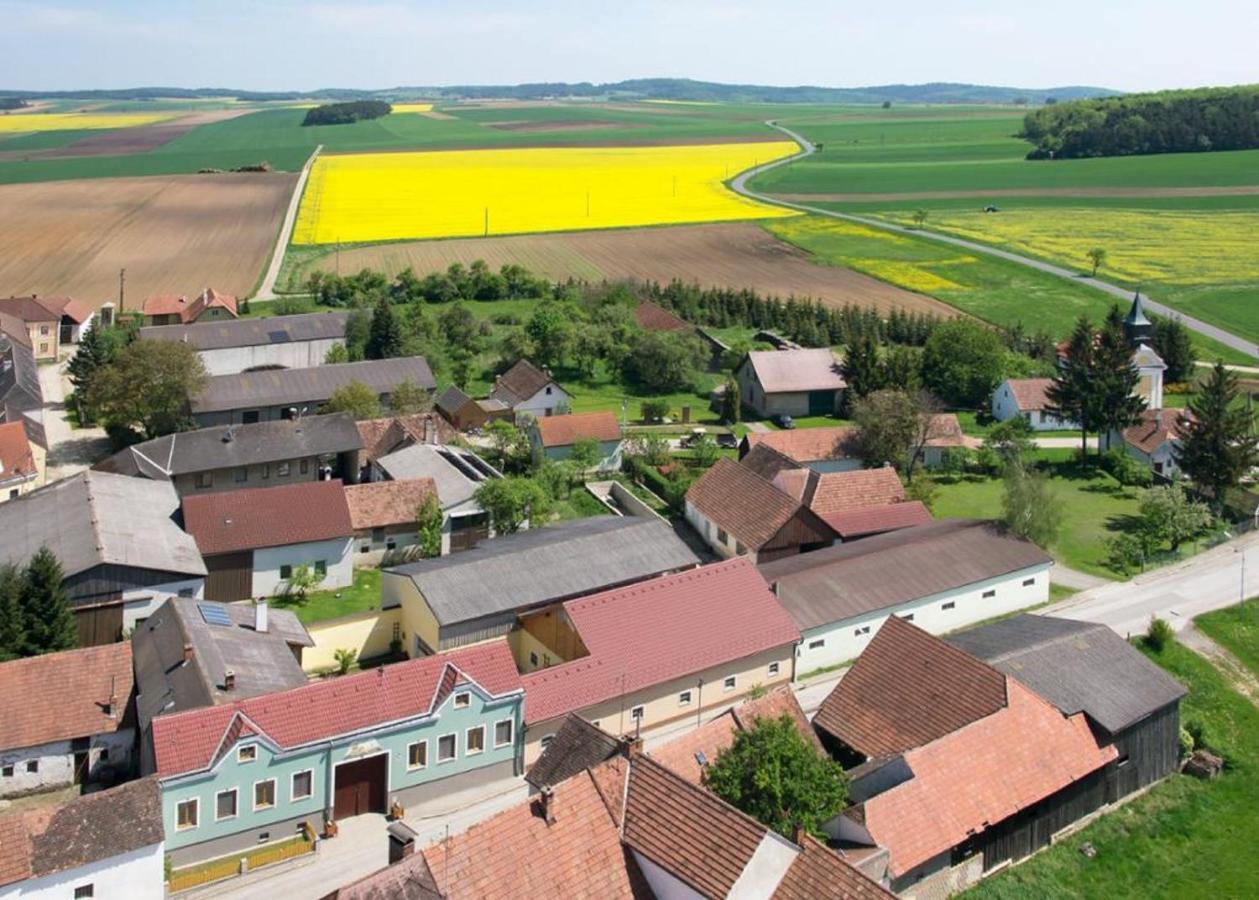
x=345, y=113
x=1192, y=121
x=12, y=103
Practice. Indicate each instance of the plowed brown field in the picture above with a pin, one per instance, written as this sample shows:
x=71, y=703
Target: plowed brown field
x=173, y=235
x=738, y=255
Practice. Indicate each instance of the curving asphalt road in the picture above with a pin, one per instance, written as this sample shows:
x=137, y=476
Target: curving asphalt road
x=739, y=185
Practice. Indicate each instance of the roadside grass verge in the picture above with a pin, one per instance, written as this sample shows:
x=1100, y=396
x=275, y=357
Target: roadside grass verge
x=1236, y=629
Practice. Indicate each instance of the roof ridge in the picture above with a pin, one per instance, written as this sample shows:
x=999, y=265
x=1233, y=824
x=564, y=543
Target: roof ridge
x=1045, y=642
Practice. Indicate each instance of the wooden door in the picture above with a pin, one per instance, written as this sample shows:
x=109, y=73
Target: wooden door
x=360, y=787
x=99, y=624
x=229, y=576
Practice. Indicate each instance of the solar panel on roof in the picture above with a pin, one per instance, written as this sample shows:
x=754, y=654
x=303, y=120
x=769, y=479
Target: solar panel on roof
x=214, y=615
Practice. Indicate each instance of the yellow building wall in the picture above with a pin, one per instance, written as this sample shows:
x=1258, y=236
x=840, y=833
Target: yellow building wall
x=417, y=619
x=368, y=633
x=660, y=702
x=523, y=643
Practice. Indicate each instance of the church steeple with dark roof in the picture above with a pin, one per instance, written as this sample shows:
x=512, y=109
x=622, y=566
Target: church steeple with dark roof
x=1137, y=328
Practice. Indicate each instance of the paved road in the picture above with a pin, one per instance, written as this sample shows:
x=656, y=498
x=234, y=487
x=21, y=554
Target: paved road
x=266, y=291
x=739, y=184
x=70, y=450
x=1075, y=579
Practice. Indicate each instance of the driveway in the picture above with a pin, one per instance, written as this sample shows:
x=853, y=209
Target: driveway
x=70, y=450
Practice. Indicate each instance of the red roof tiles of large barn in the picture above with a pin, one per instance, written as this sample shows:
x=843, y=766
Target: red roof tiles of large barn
x=658, y=630
x=267, y=517
x=60, y=696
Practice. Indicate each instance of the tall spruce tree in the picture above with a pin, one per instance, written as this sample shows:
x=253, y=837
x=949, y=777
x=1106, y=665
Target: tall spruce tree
x=1115, y=380
x=384, y=340
x=1219, y=445
x=862, y=370
x=1172, y=341
x=46, y=612
x=1071, y=396
x=12, y=628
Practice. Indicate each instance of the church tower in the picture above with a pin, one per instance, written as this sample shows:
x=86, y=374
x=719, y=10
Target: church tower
x=1137, y=327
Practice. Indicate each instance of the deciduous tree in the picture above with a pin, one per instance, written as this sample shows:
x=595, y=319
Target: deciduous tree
x=354, y=398
x=888, y=423
x=1030, y=508
x=1169, y=515
x=148, y=387
x=408, y=398
x=512, y=501
x=962, y=362
x=428, y=523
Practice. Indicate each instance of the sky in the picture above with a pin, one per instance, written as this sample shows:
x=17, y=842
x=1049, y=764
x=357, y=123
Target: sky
x=289, y=45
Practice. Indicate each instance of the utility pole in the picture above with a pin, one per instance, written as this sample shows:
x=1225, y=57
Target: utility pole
x=487, y=221
x=122, y=289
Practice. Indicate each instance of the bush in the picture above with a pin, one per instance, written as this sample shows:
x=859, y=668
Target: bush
x=1125, y=553
x=1160, y=634
x=505, y=318
x=1186, y=743
x=655, y=410
x=1126, y=470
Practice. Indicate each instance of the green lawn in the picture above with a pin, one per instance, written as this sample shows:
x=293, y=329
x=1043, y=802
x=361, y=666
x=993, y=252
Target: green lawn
x=1236, y=629
x=363, y=595
x=1184, y=838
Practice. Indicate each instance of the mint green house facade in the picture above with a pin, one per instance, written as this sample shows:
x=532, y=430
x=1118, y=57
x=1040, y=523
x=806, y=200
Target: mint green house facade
x=259, y=770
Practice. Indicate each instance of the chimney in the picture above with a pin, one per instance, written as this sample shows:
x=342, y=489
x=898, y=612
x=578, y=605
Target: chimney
x=546, y=805
x=229, y=680
x=631, y=745
x=187, y=653
x=260, y=616
x=112, y=711
x=797, y=834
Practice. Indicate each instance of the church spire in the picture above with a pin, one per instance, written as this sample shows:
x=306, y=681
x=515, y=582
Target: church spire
x=1137, y=327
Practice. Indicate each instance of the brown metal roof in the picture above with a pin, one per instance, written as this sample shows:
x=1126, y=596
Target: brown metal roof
x=267, y=517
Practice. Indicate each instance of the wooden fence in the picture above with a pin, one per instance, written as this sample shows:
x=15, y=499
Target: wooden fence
x=230, y=866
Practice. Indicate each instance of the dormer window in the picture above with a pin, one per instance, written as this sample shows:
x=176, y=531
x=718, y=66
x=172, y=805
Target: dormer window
x=247, y=753
x=548, y=390
x=462, y=700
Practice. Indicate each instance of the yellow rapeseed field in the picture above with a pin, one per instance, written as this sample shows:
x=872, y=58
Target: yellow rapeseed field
x=412, y=107
x=25, y=122
x=465, y=193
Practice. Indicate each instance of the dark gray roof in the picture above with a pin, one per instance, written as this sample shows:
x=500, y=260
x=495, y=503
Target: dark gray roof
x=278, y=387
x=576, y=747
x=228, y=446
x=21, y=395
x=546, y=565
x=846, y=580
x=252, y=332
x=520, y=382
x=1076, y=666
x=451, y=400
x=263, y=663
x=95, y=518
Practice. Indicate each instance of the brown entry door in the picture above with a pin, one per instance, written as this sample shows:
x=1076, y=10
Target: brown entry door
x=360, y=787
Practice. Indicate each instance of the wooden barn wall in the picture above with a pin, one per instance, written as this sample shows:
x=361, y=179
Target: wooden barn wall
x=110, y=580
x=804, y=529
x=1152, y=751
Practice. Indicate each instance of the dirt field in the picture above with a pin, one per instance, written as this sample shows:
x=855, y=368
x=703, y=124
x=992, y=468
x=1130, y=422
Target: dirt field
x=174, y=234
x=738, y=255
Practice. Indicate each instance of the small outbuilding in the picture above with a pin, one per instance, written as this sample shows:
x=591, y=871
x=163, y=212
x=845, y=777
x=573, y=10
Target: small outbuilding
x=804, y=382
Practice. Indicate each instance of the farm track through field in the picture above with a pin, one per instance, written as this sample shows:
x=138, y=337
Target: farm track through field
x=739, y=185
x=1247, y=190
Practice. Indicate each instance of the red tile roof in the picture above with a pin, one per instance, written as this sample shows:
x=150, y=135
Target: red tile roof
x=188, y=310
x=189, y=741
x=16, y=458
x=741, y=502
x=29, y=309
x=822, y=872
x=855, y=523
x=267, y=517
x=658, y=630
x=907, y=689
x=845, y=491
x=651, y=317
x=383, y=436
x=1157, y=427
x=380, y=504
x=976, y=776
x=1030, y=393
x=560, y=431
x=809, y=444
x=60, y=696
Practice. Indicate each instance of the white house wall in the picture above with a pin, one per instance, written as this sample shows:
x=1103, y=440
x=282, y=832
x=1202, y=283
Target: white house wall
x=336, y=553
x=1005, y=408
x=295, y=355
x=542, y=404
x=708, y=531
x=664, y=885
x=844, y=641
x=55, y=762
x=140, y=603
x=138, y=875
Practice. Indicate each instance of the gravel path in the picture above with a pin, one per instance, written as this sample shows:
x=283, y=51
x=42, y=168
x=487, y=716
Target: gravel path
x=266, y=290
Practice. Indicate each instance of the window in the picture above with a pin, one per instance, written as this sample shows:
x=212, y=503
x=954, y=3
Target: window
x=104, y=754
x=503, y=732
x=32, y=766
x=474, y=741
x=266, y=470
x=7, y=771
x=722, y=537
x=225, y=805
x=205, y=480
x=249, y=417
x=864, y=629
x=818, y=644
x=302, y=785
x=548, y=390
x=417, y=755
x=282, y=470
x=948, y=605
x=990, y=594
x=1028, y=582
x=264, y=836
x=84, y=892
x=43, y=348
x=684, y=698
x=43, y=330
x=286, y=572
x=636, y=713
x=391, y=544
x=546, y=741
x=445, y=748
x=186, y=814
x=242, y=475
x=264, y=794
x=321, y=567
x=729, y=683
x=462, y=700
x=184, y=592
x=303, y=467
x=773, y=669
x=908, y=617
x=247, y=753
x=533, y=658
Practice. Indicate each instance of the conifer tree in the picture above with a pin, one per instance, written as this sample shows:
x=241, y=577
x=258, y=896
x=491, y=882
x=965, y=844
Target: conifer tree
x=1071, y=396
x=1115, y=379
x=384, y=340
x=1219, y=445
x=46, y=612
x=12, y=632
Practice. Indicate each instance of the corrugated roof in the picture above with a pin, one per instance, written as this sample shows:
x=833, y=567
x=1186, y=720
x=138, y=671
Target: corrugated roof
x=546, y=565
x=254, y=518
x=657, y=630
x=219, y=335
x=560, y=431
x=886, y=570
x=1076, y=666
x=62, y=696
x=277, y=387
x=793, y=371
x=456, y=472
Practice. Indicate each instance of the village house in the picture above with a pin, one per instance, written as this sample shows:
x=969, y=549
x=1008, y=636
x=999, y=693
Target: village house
x=193, y=653
x=831, y=448
x=291, y=393
x=254, y=541
x=853, y=504
x=530, y=392
x=107, y=844
x=791, y=382
x=49, y=322
x=485, y=592
x=655, y=318
x=230, y=346
x=1155, y=439
x=941, y=576
x=955, y=767
x=385, y=516
x=67, y=719
x=21, y=395
x=236, y=457
x=119, y=547
x=457, y=472
x=553, y=438
x=393, y=433
x=19, y=471
x=171, y=309
x=650, y=654
x=1084, y=667
x=943, y=432
x=739, y=513
x=242, y=774
x=1028, y=398
x=467, y=414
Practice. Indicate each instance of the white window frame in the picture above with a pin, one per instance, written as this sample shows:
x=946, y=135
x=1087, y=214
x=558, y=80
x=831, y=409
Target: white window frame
x=417, y=767
x=511, y=732
x=454, y=742
x=467, y=738
x=817, y=643
x=240, y=753
x=729, y=683
x=235, y=792
x=988, y=594
x=638, y=713
x=684, y=698
x=196, y=806
x=293, y=796
x=463, y=700
x=947, y=606
x=773, y=669
x=275, y=794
